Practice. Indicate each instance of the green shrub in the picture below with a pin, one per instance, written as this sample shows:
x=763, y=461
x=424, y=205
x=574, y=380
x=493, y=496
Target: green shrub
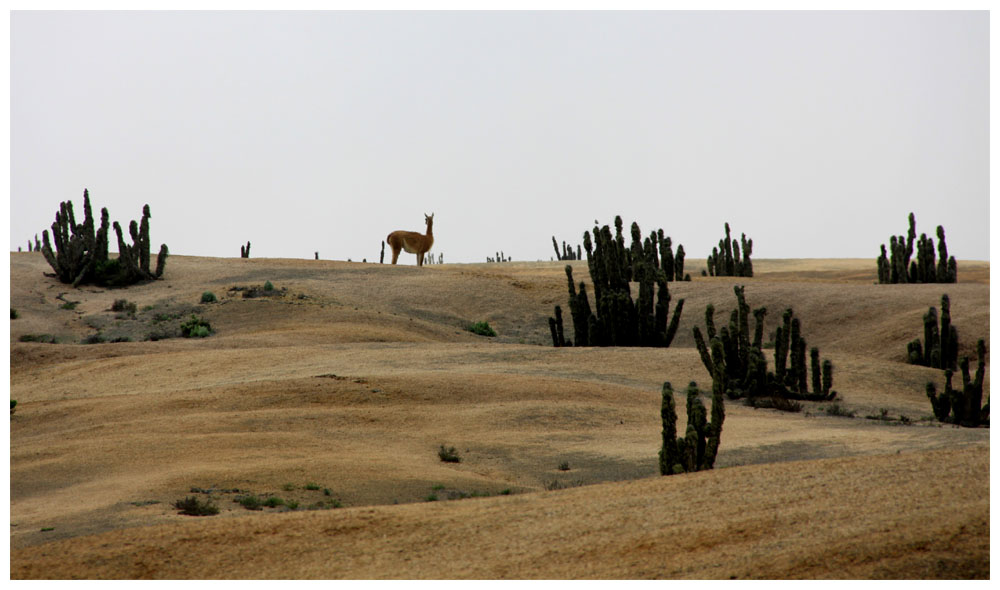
x=13, y=314
x=482, y=328
x=94, y=339
x=449, y=455
x=13, y=403
x=838, y=410
x=312, y=486
x=274, y=502
x=564, y=466
x=69, y=305
x=192, y=506
x=45, y=338
x=124, y=306
x=196, y=328
x=208, y=297
x=250, y=502
x=268, y=286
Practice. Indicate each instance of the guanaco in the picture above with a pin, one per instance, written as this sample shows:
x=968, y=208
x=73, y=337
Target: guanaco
x=413, y=242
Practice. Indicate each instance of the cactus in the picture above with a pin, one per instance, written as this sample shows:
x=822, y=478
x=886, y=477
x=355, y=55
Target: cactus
x=726, y=260
x=940, y=346
x=617, y=319
x=81, y=254
x=381, y=257
x=245, y=251
x=698, y=448
x=963, y=407
x=896, y=266
x=743, y=367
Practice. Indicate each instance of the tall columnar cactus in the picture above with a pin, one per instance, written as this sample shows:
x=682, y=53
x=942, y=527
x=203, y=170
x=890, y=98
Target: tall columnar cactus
x=726, y=261
x=81, y=252
x=963, y=407
x=898, y=266
x=617, y=319
x=939, y=349
x=744, y=365
x=245, y=250
x=699, y=447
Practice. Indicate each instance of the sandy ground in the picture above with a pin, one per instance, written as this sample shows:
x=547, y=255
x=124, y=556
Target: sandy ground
x=337, y=392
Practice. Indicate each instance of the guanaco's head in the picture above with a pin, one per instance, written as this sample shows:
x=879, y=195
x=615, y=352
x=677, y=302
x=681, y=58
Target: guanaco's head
x=430, y=221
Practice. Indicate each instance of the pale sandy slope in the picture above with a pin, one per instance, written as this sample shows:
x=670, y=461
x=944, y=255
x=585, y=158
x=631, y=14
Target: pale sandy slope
x=358, y=373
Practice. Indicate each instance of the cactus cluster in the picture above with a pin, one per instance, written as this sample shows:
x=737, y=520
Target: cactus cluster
x=739, y=368
x=939, y=349
x=245, y=251
x=963, y=407
x=726, y=259
x=81, y=251
x=897, y=266
x=618, y=320
x=498, y=258
x=567, y=252
x=697, y=449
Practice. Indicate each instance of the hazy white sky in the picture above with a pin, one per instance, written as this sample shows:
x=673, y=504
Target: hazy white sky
x=815, y=133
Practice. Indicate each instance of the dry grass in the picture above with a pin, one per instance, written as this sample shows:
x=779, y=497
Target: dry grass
x=359, y=372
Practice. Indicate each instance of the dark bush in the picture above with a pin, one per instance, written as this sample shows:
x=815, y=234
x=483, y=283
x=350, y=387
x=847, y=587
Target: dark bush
x=192, y=506
x=449, y=455
x=482, y=329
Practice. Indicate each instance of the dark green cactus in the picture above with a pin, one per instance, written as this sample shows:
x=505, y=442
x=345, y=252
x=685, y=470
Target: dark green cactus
x=727, y=261
x=744, y=367
x=897, y=265
x=81, y=254
x=963, y=407
x=940, y=346
x=699, y=447
x=617, y=319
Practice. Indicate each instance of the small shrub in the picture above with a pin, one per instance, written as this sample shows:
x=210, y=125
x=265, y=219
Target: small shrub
x=482, y=328
x=327, y=492
x=250, y=502
x=94, y=339
x=312, y=486
x=13, y=314
x=196, y=328
x=449, y=455
x=774, y=403
x=13, y=403
x=564, y=466
x=882, y=416
x=124, y=306
x=838, y=410
x=192, y=506
x=288, y=487
x=69, y=305
x=208, y=297
x=268, y=286
x=291, y=504
x=505, y=492
x=274, y=502
x=432, y=498
x=44, y=338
